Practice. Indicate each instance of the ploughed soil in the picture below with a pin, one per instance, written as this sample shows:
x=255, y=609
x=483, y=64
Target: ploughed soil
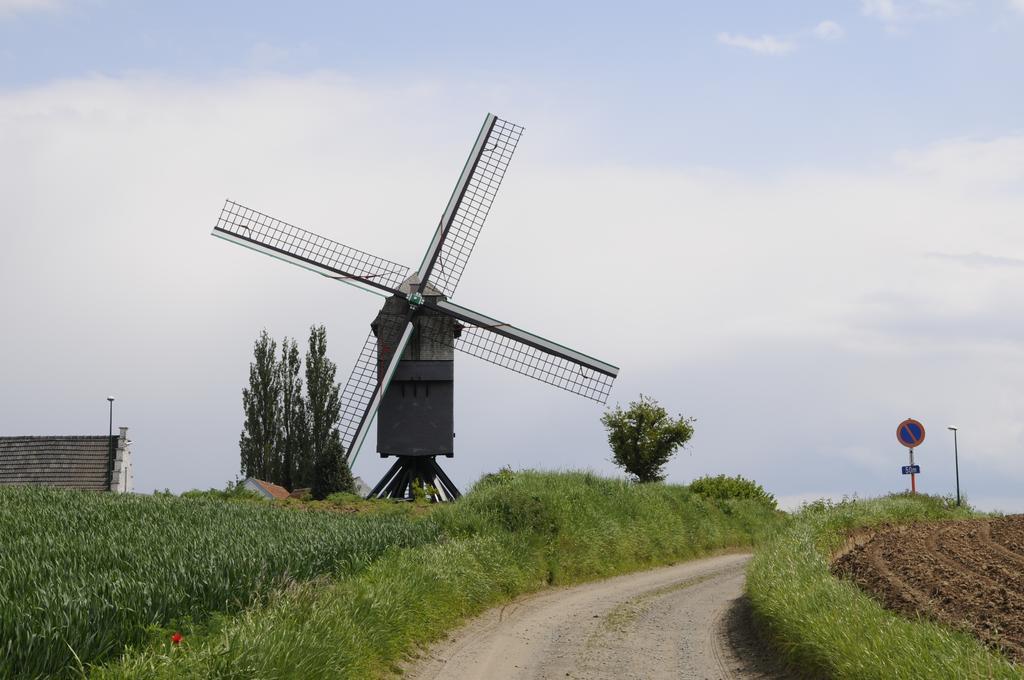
x=968, y=574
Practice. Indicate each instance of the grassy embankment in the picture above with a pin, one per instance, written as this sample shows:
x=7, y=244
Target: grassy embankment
x=512, y=534
x=84, y=574
x=827, y=627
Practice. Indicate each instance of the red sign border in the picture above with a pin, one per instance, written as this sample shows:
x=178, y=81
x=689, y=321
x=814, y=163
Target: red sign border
x=907, y=422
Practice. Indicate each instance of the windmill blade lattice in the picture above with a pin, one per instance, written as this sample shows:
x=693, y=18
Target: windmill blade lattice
x=475, y=204
x=363, y=381
x=358, y=392
x=330, y=258
x=485, y=342
x=517, y=356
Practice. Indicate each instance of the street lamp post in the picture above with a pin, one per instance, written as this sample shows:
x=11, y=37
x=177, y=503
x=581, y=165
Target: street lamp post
x=110, y=444
x=956, y=464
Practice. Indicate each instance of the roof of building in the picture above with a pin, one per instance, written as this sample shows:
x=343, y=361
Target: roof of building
x=271, y=488
x=75, y=462
x=430, y=291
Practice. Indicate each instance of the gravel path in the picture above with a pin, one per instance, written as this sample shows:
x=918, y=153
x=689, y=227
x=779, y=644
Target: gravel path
x=685, y=621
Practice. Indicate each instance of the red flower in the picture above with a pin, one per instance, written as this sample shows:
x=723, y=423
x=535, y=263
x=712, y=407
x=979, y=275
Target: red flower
x=176, y=638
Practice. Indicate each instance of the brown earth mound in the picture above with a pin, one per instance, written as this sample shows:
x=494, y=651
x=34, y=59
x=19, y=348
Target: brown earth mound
x=968, y=574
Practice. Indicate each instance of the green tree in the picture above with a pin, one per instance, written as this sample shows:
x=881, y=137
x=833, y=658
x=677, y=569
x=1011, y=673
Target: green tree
x=644, y=437
x=323, y=410
x=260, y=402
x=295, y=470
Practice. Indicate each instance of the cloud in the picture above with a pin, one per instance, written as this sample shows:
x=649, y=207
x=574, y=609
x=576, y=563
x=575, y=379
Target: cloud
x=828, y=30
x=1017, y=5
x=959, y=161
x=10, y=7
x=945, y=7
x=886, y=10
x=774, y=309
x=765, y=44
x=893, y=14
x=980, y=260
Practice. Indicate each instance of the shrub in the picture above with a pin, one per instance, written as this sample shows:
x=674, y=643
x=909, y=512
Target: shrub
x=339, y=497
x=722, y=487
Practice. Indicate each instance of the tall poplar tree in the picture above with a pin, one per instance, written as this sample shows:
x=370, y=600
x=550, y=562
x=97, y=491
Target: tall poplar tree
x=294, y=467
x=323, y=411
x=260, y=402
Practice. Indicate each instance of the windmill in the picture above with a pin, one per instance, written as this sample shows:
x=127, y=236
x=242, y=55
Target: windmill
x=405, y=371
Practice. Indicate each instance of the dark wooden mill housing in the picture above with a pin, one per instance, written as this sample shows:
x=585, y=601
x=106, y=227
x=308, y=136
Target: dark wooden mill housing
x=416, y=420
x=404, y=375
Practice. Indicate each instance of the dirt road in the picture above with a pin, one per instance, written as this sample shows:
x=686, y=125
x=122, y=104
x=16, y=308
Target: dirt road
x=684, y=621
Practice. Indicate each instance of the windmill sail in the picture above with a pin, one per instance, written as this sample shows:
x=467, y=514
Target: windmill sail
x=357, y=393
x=470, y=203
x=369, y=381
x=286, y=241
x=503, y=350
x=529, y=354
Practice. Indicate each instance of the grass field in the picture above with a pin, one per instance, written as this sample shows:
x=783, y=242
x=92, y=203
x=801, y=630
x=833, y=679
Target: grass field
x=386, y=584
x=84, y=574
x=827, y=627
x=513, y=533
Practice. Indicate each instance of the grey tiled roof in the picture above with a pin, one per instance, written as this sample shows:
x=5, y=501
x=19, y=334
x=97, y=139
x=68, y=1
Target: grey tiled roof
x=72, y=462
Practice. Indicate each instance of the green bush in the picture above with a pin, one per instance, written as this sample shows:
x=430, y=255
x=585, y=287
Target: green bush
x=737, y=487
x=340, y=498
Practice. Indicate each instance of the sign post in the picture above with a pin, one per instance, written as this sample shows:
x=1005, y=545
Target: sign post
x=910, y=433
x=913, y=477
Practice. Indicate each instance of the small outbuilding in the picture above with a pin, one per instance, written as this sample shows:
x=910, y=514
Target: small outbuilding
x=268, y=490
x=271, y=491
x=86, y=462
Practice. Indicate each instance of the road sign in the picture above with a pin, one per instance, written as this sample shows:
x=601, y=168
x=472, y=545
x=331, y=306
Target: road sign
x=910, y=433
x=911, y=469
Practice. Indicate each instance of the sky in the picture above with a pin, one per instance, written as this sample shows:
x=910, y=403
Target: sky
x=797, y=222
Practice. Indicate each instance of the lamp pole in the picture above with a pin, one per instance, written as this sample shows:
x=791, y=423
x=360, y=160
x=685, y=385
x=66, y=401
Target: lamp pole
x=110, y=445
x=956, y=464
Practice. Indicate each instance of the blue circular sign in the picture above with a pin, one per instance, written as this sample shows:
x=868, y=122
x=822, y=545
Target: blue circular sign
x=910, y=433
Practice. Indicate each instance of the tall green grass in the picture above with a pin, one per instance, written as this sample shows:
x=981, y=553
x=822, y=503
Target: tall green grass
x=827, y=627
x=84, y=574
x=585, y=526
x=511, y=534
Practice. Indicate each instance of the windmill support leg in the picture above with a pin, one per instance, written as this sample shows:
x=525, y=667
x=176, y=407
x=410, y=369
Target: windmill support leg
x=384, y=480
x=444, y=483
x=398, y=481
